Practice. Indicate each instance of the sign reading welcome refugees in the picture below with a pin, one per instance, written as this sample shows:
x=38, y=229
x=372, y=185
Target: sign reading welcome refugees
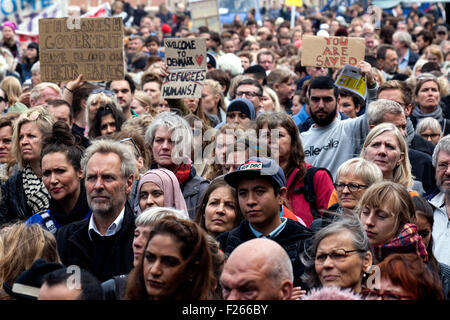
x=186, y=67
x=89, y=46
x=332, y=52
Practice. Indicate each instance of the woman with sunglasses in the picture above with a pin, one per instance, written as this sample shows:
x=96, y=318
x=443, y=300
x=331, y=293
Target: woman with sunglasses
x=108, y=120
x=339, y=256
x=24, y=193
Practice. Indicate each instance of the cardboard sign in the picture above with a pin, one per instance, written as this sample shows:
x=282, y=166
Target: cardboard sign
x=89, y=46
x=186, y=67
x=205, y=13
x=351, y=79
x=332, y=52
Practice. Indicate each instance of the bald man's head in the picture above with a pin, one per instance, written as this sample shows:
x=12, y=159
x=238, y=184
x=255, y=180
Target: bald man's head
x=259, y=269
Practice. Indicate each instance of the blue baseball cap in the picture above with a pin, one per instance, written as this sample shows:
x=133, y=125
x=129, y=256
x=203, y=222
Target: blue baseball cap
x=257, y=166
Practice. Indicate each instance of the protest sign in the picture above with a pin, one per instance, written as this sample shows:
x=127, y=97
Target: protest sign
x=89, y=46
x=351, y=79
x=331, y=52
x=205, y=13
x=186, y=67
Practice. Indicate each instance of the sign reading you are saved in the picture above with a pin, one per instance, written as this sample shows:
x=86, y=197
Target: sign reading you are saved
x=186, y=67
x=332, y=52
x=89, y=46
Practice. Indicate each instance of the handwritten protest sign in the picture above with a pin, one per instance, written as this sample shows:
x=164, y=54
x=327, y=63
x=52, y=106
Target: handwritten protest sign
x=89, y=46
x=350, y=78
x=331, y=52
x=186, y=67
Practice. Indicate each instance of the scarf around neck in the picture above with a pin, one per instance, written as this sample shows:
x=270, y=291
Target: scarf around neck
x=38, y=198
x=407, y=241
x=436, y=114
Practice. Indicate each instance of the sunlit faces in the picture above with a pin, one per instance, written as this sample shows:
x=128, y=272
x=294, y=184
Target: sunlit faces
x=150, y=195
x=123, y=92
x=343, y=269
x=5, y=143
x=385, y=152
x=259, y=204
x=346, y=197
x=224, y=143
x=347, y=106
x=192, y=103
x=296, y=105
x=46, y=95
x=379, y=223
x=162, y=147
x=163, y=266
x=209, y=99
x=153, y=89
x=105, y=186
x=30, y=141
x=60, y=177
x=141, y=234
x=428, y=96
x=107, y=125
x=442, y=171
x=245, y=62
x=220, y=211
x=267, y=103
x=138, y=107
x=431, y=135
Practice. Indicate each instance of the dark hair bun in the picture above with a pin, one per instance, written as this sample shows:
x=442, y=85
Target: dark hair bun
x=61, y=134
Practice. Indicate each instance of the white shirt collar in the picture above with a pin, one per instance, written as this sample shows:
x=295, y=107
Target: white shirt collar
x=112, y=229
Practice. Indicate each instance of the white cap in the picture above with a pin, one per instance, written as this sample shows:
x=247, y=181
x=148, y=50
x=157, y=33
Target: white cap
x=322, y=33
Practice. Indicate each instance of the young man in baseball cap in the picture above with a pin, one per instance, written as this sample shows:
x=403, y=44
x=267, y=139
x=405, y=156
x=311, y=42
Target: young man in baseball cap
x=261, y=188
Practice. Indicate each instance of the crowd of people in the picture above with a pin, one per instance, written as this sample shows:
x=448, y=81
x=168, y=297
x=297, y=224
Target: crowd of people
x=275, y=184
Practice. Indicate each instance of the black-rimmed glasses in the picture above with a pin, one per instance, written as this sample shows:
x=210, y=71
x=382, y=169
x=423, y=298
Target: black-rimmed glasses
x=353, y=187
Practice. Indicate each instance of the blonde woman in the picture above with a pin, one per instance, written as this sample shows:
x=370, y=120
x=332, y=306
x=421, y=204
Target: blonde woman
x=21, y=246
x=270, y=101
x=142, y=104
x=386, y=147
x=11, y=86
x=24, y=193
x=212, y=101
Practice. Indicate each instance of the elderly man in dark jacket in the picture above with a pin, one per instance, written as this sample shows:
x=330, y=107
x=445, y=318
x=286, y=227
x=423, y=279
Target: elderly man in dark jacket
x=102, y=244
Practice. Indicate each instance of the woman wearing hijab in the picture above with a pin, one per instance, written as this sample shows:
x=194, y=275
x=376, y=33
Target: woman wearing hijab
x=160, y=187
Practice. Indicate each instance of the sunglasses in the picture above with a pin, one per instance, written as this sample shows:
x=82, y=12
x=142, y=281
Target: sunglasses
x=109, y=93
x=130, y=139
x=3, y=99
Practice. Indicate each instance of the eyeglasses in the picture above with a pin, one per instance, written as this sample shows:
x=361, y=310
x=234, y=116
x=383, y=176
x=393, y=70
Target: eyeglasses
x=337, y=255
x=385, y=295
x=428, y=136
x=353, y=187
x=138, y=153
x=109, y=93
x=324, y=99
x=249, y=94
x=441, y=32
x=3, y=99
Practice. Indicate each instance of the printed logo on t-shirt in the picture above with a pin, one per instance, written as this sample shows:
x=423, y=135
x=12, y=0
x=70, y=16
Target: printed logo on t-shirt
x=315, y=151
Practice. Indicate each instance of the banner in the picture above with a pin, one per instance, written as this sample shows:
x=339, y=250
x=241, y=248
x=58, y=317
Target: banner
x=89, y=46
x=26, y=13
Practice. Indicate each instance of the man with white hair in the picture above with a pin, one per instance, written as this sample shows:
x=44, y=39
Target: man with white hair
x=402, y=43
x=258, y=269
x=44, y=92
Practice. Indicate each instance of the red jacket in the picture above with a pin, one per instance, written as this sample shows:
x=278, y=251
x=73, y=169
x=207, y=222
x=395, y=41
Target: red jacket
x=323, y=187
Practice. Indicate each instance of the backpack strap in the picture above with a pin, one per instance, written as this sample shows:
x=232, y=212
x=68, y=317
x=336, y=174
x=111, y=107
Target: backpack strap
x=308, y=189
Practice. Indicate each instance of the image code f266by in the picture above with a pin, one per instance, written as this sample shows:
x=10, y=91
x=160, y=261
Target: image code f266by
x=234, y=309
